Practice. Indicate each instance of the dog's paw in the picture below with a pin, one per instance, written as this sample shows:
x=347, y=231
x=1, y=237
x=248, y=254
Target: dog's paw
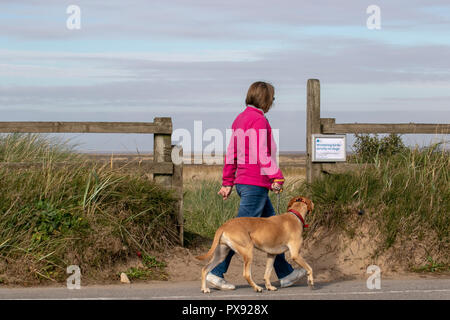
x=311, y=286
x=206, y=290
x=271, y=288
x=258, y=289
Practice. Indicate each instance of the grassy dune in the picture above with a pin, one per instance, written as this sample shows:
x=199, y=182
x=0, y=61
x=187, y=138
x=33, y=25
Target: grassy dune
x=89, y=216
x=406, y=195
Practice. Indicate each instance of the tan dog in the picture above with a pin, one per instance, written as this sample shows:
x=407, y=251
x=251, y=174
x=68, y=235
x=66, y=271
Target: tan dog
x=273, y=235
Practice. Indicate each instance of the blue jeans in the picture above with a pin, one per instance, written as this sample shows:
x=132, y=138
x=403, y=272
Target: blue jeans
x=255, y=202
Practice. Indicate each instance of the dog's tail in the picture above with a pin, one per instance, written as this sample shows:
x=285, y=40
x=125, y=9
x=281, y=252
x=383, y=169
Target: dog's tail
x=213, y=246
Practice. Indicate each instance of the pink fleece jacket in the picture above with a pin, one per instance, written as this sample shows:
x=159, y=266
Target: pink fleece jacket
x=251, y=154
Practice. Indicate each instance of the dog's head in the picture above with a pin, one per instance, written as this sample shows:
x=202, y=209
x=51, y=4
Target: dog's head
x=296, y=204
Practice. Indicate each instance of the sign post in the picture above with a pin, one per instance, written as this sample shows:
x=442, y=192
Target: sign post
x=313, y=170
x=320, y=148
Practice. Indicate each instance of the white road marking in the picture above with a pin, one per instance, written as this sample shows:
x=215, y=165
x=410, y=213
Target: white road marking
x=308, y=294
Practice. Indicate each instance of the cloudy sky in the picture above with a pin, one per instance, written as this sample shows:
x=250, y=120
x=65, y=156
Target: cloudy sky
x=194, y=60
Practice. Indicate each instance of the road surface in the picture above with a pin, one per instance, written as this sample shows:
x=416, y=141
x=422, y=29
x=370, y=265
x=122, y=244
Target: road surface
x=355, y=289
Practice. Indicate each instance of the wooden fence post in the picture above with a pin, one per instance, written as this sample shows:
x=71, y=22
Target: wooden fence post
x=177, y=186
x=162, y=152
x=313, y=170
x=162, y=149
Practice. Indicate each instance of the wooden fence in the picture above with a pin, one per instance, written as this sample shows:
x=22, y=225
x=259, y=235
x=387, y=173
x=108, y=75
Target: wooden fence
x=317, y=125
x=165, y=172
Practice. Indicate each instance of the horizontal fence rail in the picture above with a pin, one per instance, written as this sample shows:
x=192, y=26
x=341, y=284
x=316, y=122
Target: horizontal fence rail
x=328, y=125
x=159, y=127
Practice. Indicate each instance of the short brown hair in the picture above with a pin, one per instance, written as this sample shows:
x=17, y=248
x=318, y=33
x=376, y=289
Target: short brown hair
x=260, y=94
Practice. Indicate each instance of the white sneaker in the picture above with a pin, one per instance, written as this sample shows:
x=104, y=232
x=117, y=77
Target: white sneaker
x=218, y=282
x=292, y=278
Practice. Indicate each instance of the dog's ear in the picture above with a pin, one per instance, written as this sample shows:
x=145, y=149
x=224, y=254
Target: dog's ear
x=309, y=204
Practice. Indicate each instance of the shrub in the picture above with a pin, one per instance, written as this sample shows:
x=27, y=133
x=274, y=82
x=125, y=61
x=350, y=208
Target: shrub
x=368, y=148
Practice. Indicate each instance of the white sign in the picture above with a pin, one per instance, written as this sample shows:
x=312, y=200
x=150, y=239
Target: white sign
x=328, y=148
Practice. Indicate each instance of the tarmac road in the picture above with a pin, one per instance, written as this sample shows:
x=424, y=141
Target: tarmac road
x=423, y=289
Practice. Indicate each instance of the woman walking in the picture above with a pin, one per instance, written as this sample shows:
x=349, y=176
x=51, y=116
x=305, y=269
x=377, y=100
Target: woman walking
x=250, y=165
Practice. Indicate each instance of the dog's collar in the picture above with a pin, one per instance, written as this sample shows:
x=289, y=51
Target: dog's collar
x=300, y=217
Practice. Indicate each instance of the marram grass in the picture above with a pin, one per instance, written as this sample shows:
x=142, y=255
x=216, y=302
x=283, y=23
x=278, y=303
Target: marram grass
x=407, y=194
x=91, y=216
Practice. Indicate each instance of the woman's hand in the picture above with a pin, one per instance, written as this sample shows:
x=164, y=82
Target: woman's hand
x=277, y=188
x=225, y=192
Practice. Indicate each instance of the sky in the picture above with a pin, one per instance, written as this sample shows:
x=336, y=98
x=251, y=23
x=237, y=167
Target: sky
x=194, y=61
